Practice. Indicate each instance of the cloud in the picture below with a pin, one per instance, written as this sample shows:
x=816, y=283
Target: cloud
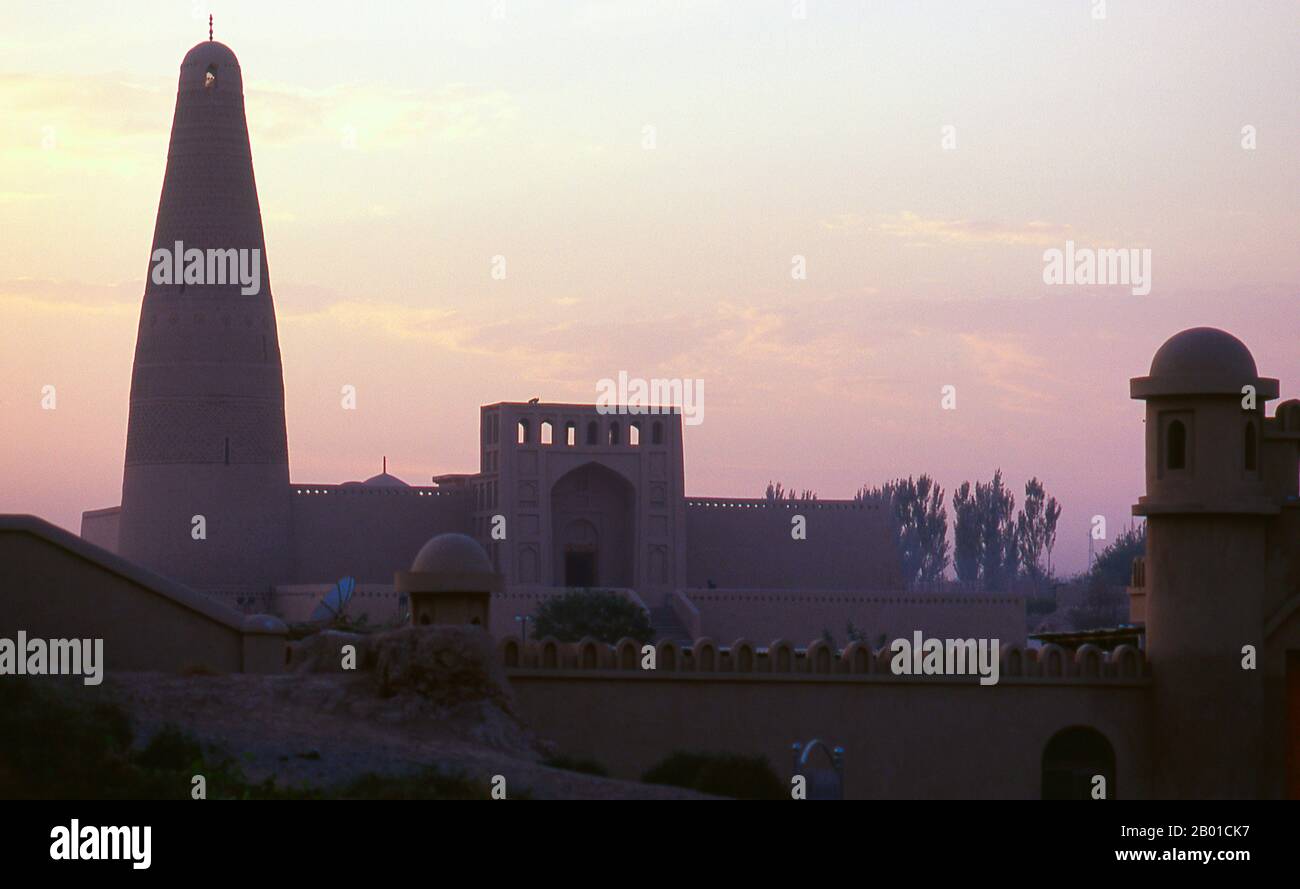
x=1024, y=379
x=922, y=231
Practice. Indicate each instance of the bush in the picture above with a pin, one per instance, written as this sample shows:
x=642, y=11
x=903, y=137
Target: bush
x=601, y=614
x=54, y=745
x=719, y=774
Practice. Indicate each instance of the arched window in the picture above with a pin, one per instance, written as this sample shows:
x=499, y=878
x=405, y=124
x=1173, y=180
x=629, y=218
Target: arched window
x=613, y=433
x=1176, y=446
x=546, y=432
x=1252, y=448
x=570, y=434
x=524, y=433
x=210, y=77
x=657, y=433
x=593, y=430
x=634, y=434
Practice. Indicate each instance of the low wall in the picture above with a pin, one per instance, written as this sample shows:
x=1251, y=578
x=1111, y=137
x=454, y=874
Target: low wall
x=904, y=737
x=55, y=585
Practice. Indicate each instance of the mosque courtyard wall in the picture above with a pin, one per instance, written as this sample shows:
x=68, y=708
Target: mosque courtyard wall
x=906, y=737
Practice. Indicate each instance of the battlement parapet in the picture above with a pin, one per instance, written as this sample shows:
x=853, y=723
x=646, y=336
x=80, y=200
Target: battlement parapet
x=781, y=660
x=764, y=503
x=355, y=488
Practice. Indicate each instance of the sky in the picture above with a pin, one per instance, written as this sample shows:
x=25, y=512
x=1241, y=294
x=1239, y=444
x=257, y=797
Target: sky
x=653, y=173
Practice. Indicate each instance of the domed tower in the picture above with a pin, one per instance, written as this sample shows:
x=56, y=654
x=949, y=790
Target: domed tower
x=1208, y=512
x=451, y=581
x=206, y=434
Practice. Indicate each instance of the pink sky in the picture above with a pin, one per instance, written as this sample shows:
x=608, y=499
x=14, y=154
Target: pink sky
x=398, y=151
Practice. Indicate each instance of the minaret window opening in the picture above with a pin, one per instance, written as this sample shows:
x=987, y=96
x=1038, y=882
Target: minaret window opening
x=210, y=77
x=1176, y=446
x=1252, y=447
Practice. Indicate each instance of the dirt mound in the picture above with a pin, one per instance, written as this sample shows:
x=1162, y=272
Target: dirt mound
x=445, y=666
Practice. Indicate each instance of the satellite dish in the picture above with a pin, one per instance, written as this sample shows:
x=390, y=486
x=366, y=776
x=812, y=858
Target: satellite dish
x=331, y=607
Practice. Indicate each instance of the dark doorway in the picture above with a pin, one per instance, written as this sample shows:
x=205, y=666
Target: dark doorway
x=1072, y=760
x=580, y=568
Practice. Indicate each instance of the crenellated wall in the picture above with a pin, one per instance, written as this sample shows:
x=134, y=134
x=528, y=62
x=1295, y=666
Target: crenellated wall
x=904, y=737
x=747, y=543
x=368, y=532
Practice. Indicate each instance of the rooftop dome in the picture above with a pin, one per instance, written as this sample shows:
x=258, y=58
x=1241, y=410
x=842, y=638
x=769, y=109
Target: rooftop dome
x=384, y=480
x=452, y=554
x=1203, y=361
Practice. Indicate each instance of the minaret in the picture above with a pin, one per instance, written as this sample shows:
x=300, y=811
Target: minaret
x=206, y=436
x=1208, y=513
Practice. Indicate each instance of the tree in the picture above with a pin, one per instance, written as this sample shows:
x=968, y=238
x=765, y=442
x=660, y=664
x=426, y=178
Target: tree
x=1115, y=564
x=602, y=614
x=985, y=534
x=776, y=493
x=967, y=537
x=999, y=559
x=919, y=523
x=1036, y=532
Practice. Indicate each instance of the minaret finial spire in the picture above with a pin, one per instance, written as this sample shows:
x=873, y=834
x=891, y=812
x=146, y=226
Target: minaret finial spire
x=209, y=26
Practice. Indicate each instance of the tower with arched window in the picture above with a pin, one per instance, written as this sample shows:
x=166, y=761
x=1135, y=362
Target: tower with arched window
x=1219, y=725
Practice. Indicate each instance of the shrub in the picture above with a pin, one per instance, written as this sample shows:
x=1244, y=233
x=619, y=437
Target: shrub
x=720, y=774
x=602, y=614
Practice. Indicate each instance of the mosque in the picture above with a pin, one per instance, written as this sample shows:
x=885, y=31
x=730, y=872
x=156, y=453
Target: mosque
x=567, y=495
x=1210, y=708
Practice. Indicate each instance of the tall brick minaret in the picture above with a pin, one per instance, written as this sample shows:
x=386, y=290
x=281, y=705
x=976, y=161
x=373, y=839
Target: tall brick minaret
x=206, y=436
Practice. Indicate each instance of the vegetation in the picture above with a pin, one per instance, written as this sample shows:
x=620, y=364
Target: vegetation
x=776, y=493
x=920, y=524
x=58, y=747
x=601, y=614
x=719, y=774
x=1115, y=564
x=993, y=545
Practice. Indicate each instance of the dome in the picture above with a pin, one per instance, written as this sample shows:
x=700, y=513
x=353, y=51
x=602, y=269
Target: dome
x=1202, y=351
x=214, y=57
x=384, y=480
x=1203, y=361
x=452, y=554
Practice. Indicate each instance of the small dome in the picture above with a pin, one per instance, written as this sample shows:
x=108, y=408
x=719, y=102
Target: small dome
x=384, y=480
x=1204, y=351
x=1203, y=361
x=452, y=554
x=210, y=52
x=215, y=59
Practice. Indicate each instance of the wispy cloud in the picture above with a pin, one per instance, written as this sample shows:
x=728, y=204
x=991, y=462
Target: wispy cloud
x=924, y=231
